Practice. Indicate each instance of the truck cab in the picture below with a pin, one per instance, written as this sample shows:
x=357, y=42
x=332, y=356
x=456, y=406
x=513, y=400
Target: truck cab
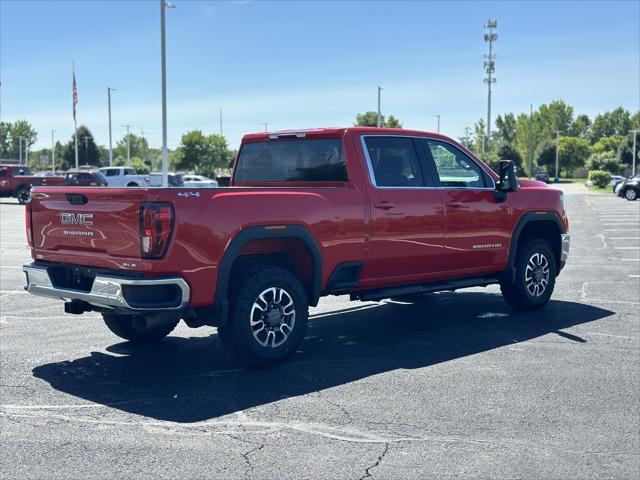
x=123, y=177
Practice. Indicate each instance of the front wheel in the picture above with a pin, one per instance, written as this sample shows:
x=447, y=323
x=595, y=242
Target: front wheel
x=535, y=277
x=631, y=194
x=134, y=328
x=23, y=194
x=268, y=316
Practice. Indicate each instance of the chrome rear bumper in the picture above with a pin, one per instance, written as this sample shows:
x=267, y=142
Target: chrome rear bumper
x=107, y=291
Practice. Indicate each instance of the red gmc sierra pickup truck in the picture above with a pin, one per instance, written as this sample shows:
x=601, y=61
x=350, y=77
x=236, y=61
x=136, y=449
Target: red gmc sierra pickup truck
x=371, y=212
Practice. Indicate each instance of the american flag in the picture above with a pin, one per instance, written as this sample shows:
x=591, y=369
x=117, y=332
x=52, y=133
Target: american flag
x=75, y=95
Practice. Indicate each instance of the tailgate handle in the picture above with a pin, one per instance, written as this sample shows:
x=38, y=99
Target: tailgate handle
x=76, y=199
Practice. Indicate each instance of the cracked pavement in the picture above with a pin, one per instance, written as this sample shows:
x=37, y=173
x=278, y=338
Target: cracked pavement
x=453, y=385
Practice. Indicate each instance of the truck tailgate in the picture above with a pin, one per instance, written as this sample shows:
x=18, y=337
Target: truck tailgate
x=78, y=220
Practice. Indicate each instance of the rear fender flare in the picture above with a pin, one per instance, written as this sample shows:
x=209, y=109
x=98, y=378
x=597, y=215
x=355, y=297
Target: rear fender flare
x=263, y=232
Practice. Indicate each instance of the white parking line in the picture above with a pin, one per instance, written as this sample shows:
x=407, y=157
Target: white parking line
x=624, y=238
x=634, y=276
x=626, y=248
x=630, y=259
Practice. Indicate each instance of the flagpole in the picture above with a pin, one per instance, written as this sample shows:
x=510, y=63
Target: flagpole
x=75, y=123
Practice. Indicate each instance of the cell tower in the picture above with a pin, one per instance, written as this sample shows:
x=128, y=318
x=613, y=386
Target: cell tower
x=490, y=68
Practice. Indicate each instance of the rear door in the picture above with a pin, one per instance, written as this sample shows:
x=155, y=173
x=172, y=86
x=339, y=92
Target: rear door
x=476, y=235
x=407, y=217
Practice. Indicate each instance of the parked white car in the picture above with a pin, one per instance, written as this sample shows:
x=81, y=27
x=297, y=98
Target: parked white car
x=124, y=177
x=198, y=181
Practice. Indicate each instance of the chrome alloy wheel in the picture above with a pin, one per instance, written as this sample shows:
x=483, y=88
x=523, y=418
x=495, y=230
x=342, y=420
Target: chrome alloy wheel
x=536, y=274
x=273, y=315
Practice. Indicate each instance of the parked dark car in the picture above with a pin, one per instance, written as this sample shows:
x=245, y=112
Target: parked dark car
x=630, y=189
x=85, y=178
x=542, y=177
x=223, y=180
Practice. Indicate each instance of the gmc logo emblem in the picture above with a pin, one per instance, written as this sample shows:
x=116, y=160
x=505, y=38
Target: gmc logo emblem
x=76, y=218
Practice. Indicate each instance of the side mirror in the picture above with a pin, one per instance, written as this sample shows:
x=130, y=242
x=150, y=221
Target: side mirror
x=508, y=180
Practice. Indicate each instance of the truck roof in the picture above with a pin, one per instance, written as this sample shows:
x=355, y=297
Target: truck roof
x=333, y=132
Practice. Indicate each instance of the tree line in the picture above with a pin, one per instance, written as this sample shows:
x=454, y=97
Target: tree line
x=197, y=152
x=604, y=143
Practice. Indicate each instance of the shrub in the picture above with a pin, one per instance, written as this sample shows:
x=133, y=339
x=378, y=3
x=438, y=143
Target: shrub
x=600, y=178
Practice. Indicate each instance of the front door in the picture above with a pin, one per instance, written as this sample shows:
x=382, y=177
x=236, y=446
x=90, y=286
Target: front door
x=476, y=234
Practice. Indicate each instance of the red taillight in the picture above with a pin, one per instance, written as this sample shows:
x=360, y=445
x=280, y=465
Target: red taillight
x=27, y=222
x=156, y=223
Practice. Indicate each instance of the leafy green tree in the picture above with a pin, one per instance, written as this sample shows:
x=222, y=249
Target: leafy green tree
x=141, y=167
x=201, y=153
x=555, y=116
x=574, y=152
x=546, y=156
x=480, y=130
x=138, y=146
x=610, y=144
x=506, y=151
x=88, y=153
x=529, y=134
x=581, y=127
x=506, y=128
x=616, y=122
x=626, y=149
x=12, y=135
x=370, y=119
x=607, y=161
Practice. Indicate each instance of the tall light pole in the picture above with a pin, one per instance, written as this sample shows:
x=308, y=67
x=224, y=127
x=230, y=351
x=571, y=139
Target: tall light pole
x=128, y=144
x=490, y=68
x=163, y=53
x=221, y=122
x=109, y=89
x=558, y=132
x=53, y=153
x=438, y=117
x=266, y=126
x=20, y=148
x=379, y=119
x=633, y=160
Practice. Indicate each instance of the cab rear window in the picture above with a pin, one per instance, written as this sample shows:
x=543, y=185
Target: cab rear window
x=292, y=161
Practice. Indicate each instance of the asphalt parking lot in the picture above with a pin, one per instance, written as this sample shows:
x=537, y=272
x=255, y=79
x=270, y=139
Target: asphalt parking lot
x=454, y=386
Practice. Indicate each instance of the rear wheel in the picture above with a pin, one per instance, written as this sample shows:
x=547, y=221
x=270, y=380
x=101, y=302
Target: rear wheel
x=631, y=194
x=134, y=328
x=267, y=318
x=23, y=194
x=535, y=277
x=132, y=184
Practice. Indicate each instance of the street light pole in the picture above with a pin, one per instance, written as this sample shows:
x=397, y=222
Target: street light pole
x=20, y=148
x=633, y=160
x=128, y=144
x=379, y=119
x=163, y=53
x=110, y=142
x=86, y=147
x=53, y=153
x=438, y=117
x=558, y=132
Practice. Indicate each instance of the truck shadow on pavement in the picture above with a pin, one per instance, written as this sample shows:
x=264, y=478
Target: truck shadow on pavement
x=192, y=379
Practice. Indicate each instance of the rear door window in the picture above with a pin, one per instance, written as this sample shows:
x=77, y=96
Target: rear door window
x=393, y=161
x=320, y=160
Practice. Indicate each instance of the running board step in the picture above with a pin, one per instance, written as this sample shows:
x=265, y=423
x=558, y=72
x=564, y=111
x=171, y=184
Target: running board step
x=445, y=285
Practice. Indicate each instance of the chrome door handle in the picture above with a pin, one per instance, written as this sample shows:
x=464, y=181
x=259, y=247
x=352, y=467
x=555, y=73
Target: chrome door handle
x=384, y=205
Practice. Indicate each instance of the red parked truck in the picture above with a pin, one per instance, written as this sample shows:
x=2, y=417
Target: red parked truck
x=17, y=180
x=370, y=212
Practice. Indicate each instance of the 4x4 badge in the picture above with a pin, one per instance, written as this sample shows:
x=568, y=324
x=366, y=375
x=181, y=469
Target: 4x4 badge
x=189, y=194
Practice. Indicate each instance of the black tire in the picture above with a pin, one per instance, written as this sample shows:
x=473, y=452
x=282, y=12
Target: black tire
x=518, y=293
x=23, y=194
x=129, y=327
x=252, y=289
x=132, y=184
x=630, y=194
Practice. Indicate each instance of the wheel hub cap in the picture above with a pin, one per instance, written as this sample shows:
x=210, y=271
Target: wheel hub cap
x=272, y=317
x=536, y=274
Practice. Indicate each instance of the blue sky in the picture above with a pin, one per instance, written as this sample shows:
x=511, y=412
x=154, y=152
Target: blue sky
x=308, y=64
